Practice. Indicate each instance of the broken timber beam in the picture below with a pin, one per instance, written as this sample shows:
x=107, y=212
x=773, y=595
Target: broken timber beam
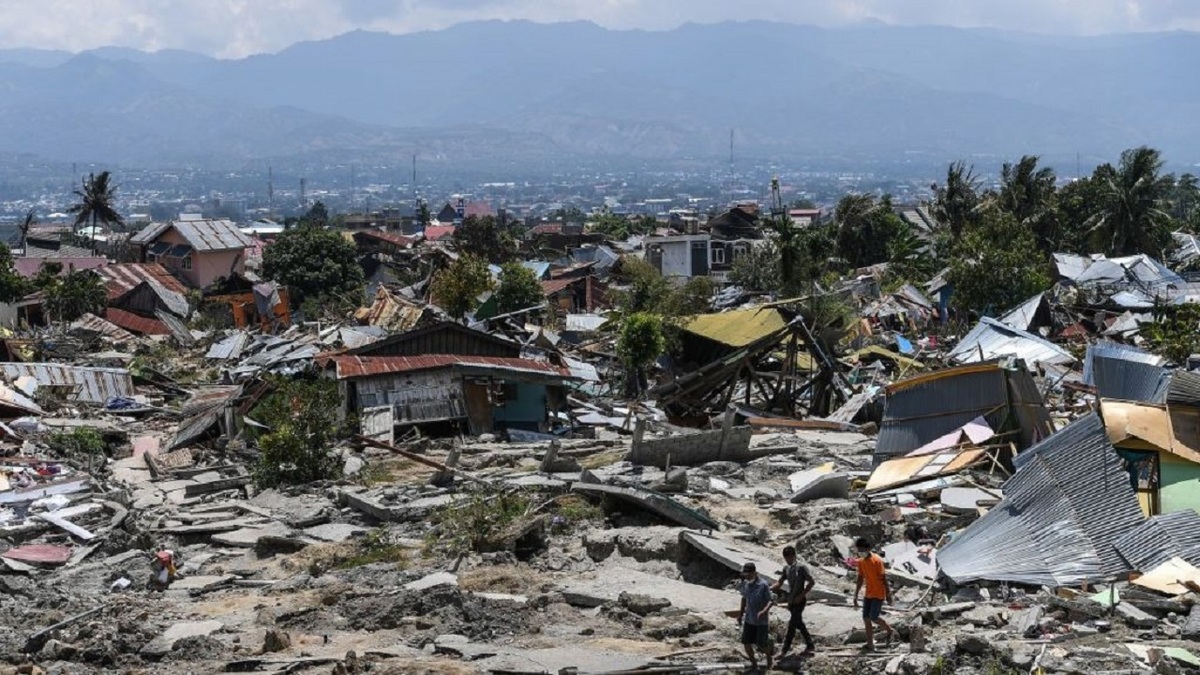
x=421, y=460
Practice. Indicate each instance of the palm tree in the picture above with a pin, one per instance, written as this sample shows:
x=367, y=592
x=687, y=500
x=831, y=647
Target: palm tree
x=1131, y=215
x=1029, y=194
x=24, y=228
x=955, y=204
x=95, y=204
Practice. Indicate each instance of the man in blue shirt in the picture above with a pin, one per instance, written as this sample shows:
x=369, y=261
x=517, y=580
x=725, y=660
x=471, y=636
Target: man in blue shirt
x=754, y=614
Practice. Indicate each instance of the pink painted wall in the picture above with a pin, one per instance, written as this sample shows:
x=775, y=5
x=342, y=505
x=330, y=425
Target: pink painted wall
x=207, y=266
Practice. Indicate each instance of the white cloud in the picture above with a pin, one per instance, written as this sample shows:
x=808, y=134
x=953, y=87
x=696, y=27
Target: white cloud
x=235, y=28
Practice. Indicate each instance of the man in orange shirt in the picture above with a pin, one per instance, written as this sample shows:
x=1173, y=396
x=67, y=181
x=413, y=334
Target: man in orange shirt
x=872, y=575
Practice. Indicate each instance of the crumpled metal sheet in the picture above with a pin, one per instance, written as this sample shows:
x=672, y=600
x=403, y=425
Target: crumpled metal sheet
x=1068, y=503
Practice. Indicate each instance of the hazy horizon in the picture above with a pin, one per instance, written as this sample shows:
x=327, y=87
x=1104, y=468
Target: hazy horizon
x=236, y=29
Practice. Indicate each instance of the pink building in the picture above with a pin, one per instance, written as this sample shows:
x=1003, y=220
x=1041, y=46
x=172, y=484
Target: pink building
x=197, y=251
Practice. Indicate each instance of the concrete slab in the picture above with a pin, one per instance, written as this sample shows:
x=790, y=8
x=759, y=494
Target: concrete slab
x=247, y=537
x=610, y=581
x=335, y=532
x=503, y=597
x=556, y=659
x=817, y=484
x=962, y=500
x=163, y=643
x=653, y=502
x=432, y=581
x=734, y=554
x=918, y=562
x=186, y=585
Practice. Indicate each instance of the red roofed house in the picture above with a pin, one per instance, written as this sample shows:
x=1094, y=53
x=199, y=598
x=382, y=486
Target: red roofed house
x=486, y=386
x=438, y=232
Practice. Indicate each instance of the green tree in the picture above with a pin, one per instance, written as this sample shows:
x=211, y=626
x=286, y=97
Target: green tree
x=302, y=415
x=317, y=215
x=956, y=202
x=96, y=204
x=692, y=298
x=1029, y=194
x=1175, y=333
x=1185, y=202
x=640, y=343
x=482, y=237
x=457, y=288
x=909, y=256
x=1132, y=213
x=646, y=287
x=865, y=227
x=758, y=269
x=996, y=265
x=70, y=296
x=315, y=263
x=424, y=217
x=13, y=286
x=1076, y=204
x=519, y=289
x=804, y=253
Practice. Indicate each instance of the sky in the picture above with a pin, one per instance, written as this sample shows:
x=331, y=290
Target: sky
x=238, y=28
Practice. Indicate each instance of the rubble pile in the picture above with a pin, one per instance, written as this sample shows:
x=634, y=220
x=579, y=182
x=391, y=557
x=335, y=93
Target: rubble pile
x=501, y=505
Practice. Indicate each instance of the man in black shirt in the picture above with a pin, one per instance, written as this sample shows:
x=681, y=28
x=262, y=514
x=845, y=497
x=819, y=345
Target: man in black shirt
x=799, y=583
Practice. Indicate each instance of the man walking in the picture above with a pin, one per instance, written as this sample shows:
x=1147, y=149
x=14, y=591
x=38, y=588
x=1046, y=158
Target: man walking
x=799, y=583
x=872, y=575
x=753, y=615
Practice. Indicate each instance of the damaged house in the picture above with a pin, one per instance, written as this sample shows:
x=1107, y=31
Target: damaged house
x=447, y=376
x=198, y=251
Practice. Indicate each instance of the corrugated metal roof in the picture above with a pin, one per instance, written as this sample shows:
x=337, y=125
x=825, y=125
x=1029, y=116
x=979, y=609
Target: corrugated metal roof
x=739, y=327
x=201, y=412
x=585, y=323
x=1124, y=372
x=136, y=323
x=923, y=408
x=367, y=366
x=229, y=348
x=991, y=339
x=91, y=322
x=91, y=385
x=1021, y=316
x=122, y=278
x=552, y=286
x=389, y=237
x=202, y=235
x=1062, y=511
x=1184, y=387
x=1161, y=538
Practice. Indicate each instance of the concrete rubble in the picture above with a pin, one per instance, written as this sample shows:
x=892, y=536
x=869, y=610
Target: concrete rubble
x=604, y=533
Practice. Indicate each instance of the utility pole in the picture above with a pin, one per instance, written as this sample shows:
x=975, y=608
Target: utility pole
x=270, y=191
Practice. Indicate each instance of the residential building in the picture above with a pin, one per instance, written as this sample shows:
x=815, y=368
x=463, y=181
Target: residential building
x=199, y=251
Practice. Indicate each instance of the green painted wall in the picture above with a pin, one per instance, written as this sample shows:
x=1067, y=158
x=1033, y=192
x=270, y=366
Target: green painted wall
x=526, y=411
x=1180, y=484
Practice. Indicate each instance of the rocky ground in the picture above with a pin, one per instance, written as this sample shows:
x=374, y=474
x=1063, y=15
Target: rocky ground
x=512, y=572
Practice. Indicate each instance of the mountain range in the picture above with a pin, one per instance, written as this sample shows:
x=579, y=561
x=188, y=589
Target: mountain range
x=512, y=94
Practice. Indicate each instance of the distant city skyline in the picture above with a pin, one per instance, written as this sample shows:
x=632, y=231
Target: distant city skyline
x=239, y=28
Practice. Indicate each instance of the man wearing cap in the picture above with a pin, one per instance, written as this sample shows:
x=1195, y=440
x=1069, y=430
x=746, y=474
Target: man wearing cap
x=753, y=615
